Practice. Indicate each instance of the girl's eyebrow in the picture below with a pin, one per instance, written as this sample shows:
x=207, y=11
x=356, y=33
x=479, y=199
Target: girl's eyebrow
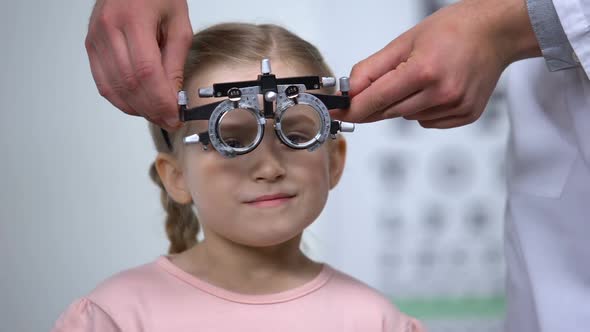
x=302, y=118
x=237, y=125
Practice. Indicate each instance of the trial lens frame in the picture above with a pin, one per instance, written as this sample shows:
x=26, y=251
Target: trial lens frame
x=271, y=88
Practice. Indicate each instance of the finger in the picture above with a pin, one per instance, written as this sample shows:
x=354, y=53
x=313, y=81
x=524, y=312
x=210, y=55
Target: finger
x=412, y=104
x=123, y=80
x=366, y=72
x=430, y=114
x=437, y=112
x=119, y=70
x=178, y=38
x=102, y=83
x=343, y=116
x=176, y=46
x=338, y=114
x=449, y=122
x=390, y=89
x=433, y=113
x=154, y=99
x=379, y=116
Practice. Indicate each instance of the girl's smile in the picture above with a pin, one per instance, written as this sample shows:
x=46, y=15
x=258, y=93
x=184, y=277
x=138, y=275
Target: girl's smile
x=272, y=200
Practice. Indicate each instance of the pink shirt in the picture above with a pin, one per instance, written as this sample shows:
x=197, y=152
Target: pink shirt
x=159, y=296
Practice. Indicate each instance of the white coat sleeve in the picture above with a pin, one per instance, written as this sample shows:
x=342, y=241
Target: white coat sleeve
x=574, y=16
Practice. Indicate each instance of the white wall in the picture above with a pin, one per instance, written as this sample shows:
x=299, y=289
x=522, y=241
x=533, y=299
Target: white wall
x=76, y=204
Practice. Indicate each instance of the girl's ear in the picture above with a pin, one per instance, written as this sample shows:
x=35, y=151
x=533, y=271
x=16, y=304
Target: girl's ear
x=337, y=159
x=172, y=178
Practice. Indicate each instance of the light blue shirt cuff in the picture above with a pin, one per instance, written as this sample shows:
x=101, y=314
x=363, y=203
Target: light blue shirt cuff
x=555, y=46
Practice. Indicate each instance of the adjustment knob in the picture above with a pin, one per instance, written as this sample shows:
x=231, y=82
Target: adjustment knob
x=346, y=127
x=328, y=82
x=270, y=96
x=344, y=85
x=265, y=67
x=206, y=92
x=182, y=98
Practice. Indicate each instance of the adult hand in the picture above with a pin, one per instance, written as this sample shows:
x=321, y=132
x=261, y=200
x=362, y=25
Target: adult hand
x=443, y=71
x=137, y=50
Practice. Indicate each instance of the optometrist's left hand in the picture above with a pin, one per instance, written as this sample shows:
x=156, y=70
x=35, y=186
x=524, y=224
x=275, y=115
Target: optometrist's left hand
x=443, y=71
x=137, y=50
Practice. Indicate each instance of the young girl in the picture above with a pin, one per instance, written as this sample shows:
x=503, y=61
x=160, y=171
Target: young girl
x=248, y=272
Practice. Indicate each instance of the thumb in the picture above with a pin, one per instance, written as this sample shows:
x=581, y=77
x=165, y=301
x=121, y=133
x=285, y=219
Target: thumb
x=367, y=71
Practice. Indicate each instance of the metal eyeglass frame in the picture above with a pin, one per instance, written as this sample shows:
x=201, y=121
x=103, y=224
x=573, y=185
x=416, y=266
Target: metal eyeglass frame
x=286, y=92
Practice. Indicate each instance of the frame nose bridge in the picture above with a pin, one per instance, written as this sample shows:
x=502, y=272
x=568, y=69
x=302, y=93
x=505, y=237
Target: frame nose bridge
x=270, y=135
x=267, y=108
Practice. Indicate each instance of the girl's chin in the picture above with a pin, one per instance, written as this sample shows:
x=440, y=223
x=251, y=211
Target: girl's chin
x=269, y=241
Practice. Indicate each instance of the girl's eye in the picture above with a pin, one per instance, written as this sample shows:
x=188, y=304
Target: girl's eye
x=233, y=143
x=297, y=138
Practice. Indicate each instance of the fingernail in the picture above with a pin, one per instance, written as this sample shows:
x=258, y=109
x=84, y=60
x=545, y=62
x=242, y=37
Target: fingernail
x=171, y=122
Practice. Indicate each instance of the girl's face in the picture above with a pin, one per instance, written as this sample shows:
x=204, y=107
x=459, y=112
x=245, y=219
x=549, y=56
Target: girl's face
x=262, y=198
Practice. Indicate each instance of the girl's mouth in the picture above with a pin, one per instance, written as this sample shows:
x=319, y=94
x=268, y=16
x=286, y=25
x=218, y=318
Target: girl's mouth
x=270, y=200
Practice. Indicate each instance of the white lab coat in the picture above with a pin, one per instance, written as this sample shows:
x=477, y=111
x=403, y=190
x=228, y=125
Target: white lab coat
x=548, y=212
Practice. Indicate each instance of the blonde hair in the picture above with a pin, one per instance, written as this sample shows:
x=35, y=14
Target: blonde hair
x=222, y=44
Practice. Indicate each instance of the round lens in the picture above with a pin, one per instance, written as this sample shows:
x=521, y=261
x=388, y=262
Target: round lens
x=300, y=124
x=238, y=128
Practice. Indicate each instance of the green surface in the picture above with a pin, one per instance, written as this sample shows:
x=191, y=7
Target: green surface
x=453, y=308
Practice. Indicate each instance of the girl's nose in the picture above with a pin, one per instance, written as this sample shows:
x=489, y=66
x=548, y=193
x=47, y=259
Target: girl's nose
x=268, y=157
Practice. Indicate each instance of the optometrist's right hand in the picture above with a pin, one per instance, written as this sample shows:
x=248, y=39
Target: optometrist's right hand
x=137, y=50
x=442, y=72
